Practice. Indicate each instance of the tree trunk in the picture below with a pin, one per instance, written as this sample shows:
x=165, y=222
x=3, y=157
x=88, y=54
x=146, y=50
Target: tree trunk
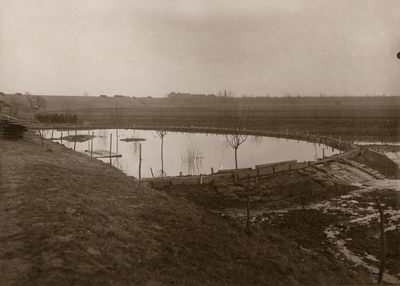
x=236, y=164
x=140, y=161
x=162, y=156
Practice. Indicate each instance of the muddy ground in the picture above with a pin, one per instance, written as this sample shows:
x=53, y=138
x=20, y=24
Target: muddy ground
x=338, y=207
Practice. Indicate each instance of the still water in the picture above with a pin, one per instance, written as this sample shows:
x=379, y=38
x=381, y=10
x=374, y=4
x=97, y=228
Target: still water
x=190, y=153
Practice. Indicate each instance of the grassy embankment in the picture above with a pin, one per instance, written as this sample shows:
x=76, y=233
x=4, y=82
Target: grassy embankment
x=70, y=219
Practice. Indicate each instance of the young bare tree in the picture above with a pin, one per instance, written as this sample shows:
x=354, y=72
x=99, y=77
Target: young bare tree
x=88, y=113
x=116, y=114
x=160, y=117
x=315, y=112
x=236, y=118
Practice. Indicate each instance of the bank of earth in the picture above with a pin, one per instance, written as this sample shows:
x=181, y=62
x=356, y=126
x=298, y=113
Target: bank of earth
x=70, y=219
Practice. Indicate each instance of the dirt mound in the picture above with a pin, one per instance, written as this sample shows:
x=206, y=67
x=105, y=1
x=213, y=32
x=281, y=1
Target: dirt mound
x=379, y=162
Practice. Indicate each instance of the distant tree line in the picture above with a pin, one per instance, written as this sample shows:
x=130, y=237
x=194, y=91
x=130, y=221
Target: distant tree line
x=57, y=118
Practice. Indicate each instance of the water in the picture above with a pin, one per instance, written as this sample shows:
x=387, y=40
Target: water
x=191, y=153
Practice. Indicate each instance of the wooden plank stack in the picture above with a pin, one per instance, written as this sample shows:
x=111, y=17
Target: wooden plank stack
x=11, y=128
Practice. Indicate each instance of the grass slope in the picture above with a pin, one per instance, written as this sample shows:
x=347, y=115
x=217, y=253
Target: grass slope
x=69, y=219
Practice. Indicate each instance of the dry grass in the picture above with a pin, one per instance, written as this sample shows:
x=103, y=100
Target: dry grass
x=69, y=219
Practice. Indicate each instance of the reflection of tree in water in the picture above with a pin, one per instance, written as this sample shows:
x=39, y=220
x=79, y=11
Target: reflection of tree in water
x=117, y=163
x=192, y=158
x=103, y=137
x=257, y=140
x=134, y=146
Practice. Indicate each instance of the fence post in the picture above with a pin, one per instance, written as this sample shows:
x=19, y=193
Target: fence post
x=91, y=146
x=75, y=140
x=383, y=247
x=201, y=179
x=110, y=146
x=212, y=170
x=140, y=161
x=248, y=203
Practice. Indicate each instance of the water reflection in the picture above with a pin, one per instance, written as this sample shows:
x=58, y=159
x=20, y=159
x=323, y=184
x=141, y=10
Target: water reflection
x=190, y=153
x=192, y=158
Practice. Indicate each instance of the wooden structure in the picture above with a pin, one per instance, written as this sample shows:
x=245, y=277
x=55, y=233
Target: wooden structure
x=11, y=127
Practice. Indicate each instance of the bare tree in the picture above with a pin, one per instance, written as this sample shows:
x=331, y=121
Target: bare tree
x=116, y=114
x=36, y=103
x=160, y=118
x=315, y=112
x=88, y=113
x=15, y=105
x=236, y=119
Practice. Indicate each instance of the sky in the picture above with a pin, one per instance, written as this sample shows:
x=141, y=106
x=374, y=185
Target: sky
x=154, y=47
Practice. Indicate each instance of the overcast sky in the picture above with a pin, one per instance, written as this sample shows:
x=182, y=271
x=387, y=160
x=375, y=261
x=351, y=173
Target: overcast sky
x=150, y=48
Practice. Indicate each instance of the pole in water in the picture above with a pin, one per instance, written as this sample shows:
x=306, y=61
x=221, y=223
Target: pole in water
x=91, y=146
x=110, y=146
x=117, y=139
x=75, y=140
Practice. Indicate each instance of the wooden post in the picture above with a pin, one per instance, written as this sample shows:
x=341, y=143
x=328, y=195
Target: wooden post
x=75, y=141
x=248, y=203
x=383, y=247
x=212, y=170
x=52, y=132
x=180, y=174
x=91, y=146
x=140, y=161
x=201, y=179
x=117, y=140
x=323, y=152
x=61, y=137
x=110, y=146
